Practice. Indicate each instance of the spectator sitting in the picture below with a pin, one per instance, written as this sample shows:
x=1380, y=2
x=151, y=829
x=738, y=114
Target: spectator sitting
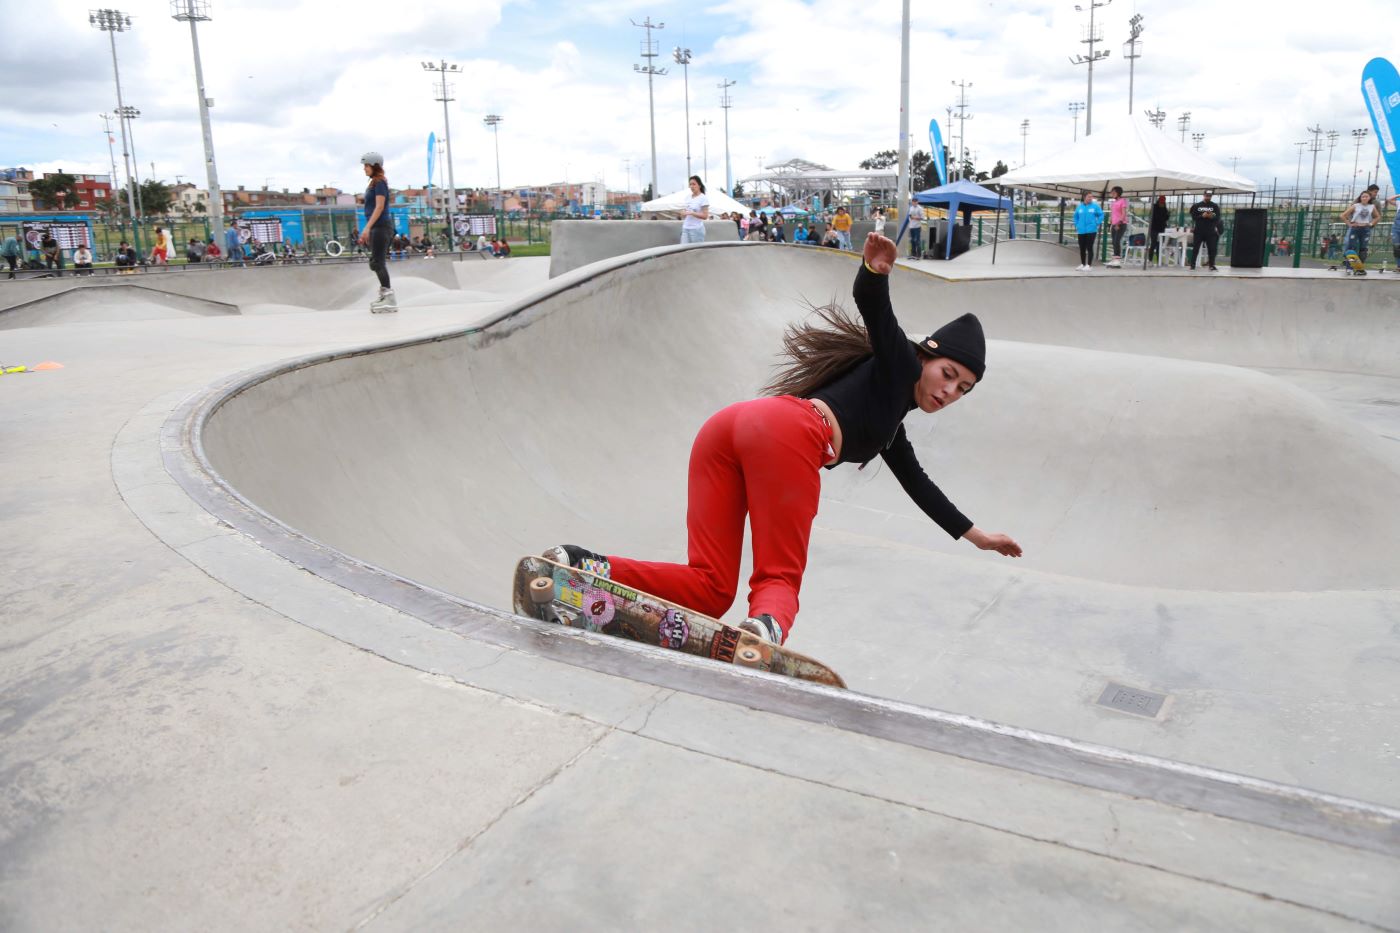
x=126, y=259
x=831, y=238
x=53, y=255
x=212, y=253
x=194, y=252
x=482, y=245
x=428, y=248
x=82, y=261
x=800, y=234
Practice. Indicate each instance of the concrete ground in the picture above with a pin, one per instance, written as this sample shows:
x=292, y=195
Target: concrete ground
x=259, y=671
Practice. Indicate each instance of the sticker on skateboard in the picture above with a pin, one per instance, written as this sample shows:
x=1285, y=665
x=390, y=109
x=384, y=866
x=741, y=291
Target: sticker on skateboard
x=579, y=599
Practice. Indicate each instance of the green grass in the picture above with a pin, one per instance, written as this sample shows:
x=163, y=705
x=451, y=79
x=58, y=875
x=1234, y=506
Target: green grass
x=529, y=249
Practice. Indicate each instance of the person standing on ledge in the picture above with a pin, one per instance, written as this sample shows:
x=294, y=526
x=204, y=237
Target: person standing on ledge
x=378, y=230
x=840, y=397
x=1206, y=226
x=695, y=212
x=1088, y=218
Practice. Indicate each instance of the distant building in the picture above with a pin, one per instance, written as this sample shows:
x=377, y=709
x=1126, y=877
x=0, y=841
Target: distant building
x=87, y=191
x=14, y=191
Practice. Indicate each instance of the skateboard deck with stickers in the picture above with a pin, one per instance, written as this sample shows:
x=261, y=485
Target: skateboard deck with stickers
x=569, y=596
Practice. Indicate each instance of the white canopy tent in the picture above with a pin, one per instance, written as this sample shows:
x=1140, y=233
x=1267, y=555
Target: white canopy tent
x=1132, y=154
x=673, y=203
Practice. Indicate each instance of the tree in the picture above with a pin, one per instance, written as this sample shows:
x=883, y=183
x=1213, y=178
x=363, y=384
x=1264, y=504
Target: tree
x=647, y=195
x=110, y=207
x=882, y=159
x=922, y=173
x=738, y=190
x=156, y=196
x=53, y=191
x=1000, y=169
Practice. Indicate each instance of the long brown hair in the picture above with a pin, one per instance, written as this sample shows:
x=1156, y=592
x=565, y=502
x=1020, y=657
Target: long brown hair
x=817, y=352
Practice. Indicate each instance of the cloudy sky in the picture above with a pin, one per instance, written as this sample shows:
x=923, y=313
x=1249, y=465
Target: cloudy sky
x=301, y=88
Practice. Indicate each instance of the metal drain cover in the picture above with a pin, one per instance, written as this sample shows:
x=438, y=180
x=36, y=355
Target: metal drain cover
x=1131, y=700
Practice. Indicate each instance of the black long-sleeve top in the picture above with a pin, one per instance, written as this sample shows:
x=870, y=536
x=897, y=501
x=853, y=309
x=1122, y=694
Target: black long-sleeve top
x=871, y=400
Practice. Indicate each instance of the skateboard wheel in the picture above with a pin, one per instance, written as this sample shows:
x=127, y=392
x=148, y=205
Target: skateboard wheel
x=541, y=590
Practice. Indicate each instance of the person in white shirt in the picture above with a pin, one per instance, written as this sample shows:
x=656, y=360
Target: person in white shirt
x=482, y=245
x=880, y=220
x=696, y=212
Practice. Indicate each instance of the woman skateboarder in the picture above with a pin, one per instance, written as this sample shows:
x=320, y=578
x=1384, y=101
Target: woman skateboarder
x=378, y=230
x=841, y=398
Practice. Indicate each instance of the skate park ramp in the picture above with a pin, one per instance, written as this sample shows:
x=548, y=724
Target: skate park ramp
x=1197, y=524
x=92, y=304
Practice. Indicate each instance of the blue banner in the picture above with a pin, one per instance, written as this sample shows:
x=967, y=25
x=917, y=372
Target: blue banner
x=940, y=162
x=1380, y=85
x=432, y=156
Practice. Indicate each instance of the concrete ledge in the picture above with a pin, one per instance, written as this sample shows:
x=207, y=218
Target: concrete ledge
x=577, y=243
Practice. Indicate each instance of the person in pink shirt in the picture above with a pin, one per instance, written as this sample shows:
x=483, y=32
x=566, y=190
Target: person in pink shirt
x=1118, y=221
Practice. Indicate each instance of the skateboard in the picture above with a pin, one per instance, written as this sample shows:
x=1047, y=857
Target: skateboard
x=578, y=599
x=1352, y=261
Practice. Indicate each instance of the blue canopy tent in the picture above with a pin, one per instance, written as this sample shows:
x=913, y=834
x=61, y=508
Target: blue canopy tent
x=965, y=196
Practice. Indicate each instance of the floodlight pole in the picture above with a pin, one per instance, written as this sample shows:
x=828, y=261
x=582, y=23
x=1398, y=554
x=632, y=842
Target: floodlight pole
x=1183, y=123
x=725, y=101
x=193, y=11
x=1074, y=107
x=107, y=131
x=1091, y=40
x=902, y=184
x=682, y=57
x=128, y=114
x=963, y=117
x=441, y=69
x=1314, y=147
x=1132, y=51
x=1359, y=136
x=1331, y=145
x=1025, y=131
x=705, y=144
x=112, y=22
x=650, y=70
x=494, y=120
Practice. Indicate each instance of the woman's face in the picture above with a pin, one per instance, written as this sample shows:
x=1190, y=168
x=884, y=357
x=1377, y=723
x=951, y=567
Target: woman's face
x=369, y=171
x=694, y=187
x=942, y=382
x=1365, y=197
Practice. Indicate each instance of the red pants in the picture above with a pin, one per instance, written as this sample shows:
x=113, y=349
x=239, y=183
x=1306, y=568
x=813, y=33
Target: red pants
x=761, y=458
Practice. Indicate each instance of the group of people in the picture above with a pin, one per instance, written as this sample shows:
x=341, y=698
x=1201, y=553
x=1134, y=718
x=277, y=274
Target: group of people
x=402, y=246
x=47, y=256
x=496, y=246
x=1207, y=224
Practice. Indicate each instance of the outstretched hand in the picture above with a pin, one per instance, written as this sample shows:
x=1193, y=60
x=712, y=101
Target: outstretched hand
x=1004, y=545
x=880, y=253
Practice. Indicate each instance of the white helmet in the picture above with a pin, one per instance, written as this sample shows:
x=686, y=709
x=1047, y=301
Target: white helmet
x=372, y=158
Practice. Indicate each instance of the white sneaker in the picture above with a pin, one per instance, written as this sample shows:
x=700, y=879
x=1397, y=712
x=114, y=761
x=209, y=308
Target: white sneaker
x=386, y=303
x=764, y=627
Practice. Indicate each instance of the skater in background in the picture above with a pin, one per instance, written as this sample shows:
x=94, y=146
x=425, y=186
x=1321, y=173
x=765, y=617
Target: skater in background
x=378, y=230
x=840, y=396
x=1157, y=226
x=695, y=212
x=1360, y=217
x=1206, y=226
x=1118, y=222
x=1088, y=218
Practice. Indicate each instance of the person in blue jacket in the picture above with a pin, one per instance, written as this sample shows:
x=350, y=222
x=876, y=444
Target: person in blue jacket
x=1088, y=218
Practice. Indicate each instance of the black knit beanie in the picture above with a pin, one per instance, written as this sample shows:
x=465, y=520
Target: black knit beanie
x=960, y=340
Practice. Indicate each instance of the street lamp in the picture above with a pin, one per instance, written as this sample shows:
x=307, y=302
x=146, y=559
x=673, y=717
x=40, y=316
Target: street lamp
x=193, y=11
x=493, y=120
x=650, y=70
x=112, y=22
x=1198, y=138
x=1183, y=123
x=1156, y=117
x=1132, y=51
x=441, y=69
x=705, y=144
x=682, y=58
x=127, y=114
x=1074, y=107
x=1025, y=130
x=963, y=117
x=1091, y=38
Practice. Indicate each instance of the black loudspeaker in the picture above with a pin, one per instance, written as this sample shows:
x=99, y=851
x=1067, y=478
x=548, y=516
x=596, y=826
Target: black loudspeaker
x=1250, y=240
